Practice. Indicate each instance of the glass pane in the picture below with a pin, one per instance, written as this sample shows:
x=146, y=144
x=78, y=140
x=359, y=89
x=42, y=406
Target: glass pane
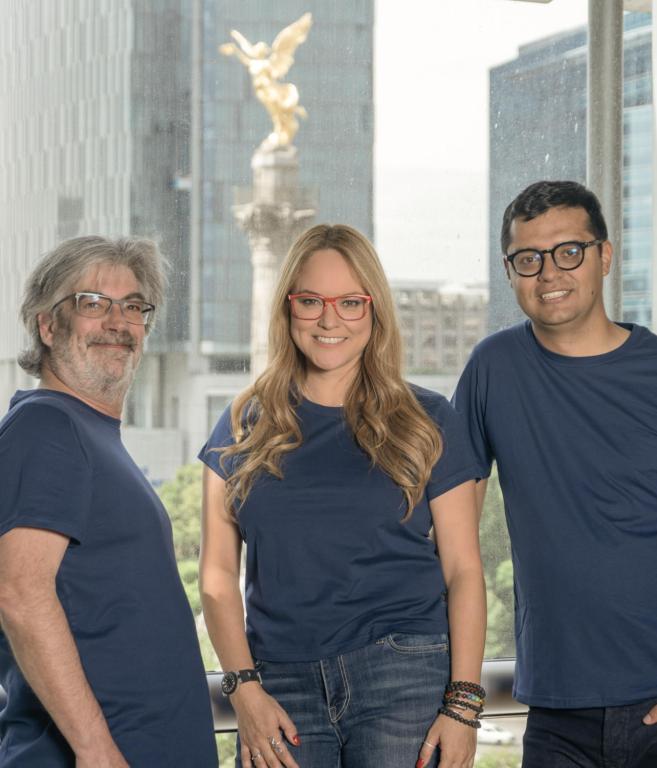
x=424, y=120
x=499, y=742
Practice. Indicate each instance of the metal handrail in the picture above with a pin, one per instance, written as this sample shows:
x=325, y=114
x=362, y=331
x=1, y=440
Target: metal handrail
x=497, y=679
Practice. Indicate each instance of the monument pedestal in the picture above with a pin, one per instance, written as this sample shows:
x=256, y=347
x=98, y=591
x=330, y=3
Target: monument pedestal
x=278, y=211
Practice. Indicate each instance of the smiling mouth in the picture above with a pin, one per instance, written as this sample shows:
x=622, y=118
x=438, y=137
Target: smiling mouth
x=330, y=339
x=553, y=295
x=110, y=345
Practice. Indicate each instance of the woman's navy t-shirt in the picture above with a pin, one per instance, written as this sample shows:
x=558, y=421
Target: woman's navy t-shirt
x=330, y=566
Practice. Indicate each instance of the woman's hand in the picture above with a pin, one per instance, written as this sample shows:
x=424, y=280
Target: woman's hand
x=260, y=720
x=457, y=742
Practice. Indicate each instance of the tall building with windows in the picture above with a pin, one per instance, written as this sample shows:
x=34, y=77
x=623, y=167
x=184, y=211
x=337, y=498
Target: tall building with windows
x=440, y=324
x=65, y=143
x=97, y=137
x=532, y=138
x=333, y=73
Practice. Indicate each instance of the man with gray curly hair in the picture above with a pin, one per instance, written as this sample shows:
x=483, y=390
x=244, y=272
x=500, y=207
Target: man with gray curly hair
x=98, y=649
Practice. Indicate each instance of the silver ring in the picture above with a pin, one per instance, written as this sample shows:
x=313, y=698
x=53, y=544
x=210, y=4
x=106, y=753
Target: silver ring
x=255, y=756
x=429, y=744
x=275, y=745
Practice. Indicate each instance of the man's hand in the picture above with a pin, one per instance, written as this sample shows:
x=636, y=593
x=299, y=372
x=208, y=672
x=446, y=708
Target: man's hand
x=651, y=717
x=110, y=759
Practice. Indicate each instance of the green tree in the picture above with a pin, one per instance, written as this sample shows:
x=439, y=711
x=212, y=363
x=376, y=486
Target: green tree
x=188, y=570
x=498, y=568
x=182, y=499
x=226, y=749
x=495, y=547
x=504, y=759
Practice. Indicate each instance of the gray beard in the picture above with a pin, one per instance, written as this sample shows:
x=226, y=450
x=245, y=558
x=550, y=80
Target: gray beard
x=91, y=380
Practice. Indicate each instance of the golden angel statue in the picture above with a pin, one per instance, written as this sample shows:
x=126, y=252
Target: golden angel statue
x=267, y=66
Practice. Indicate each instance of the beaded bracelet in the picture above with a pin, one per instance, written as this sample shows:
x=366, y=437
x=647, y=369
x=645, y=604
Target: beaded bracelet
x=466, y=687
x=464, y=695
x=465, y=705
x=459, y=718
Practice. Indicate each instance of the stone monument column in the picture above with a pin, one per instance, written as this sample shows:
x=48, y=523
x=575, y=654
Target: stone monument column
x=275, y=213
x=274, y=216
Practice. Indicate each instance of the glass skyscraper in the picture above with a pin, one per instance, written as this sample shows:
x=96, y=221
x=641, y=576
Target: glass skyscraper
x=538, y=131
x=97, y=139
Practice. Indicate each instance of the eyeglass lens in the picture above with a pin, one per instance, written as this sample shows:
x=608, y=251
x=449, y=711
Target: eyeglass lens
x=308, y=307
x=566, y=256
x=94, y=305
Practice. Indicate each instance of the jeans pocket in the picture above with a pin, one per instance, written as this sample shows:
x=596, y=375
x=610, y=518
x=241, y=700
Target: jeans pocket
x=403, y=642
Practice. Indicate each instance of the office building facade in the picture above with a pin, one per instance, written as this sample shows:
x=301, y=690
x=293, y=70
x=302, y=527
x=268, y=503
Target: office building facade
x=65, y=143
x=97, y=138
x=532, y=139
x=440, y=324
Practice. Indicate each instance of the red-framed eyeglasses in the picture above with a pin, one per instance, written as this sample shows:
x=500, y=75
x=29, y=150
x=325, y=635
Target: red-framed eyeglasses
x=311, y=306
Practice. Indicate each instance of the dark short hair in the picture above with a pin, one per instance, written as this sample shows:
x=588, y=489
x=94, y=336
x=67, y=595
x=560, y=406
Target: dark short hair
x=539, y=197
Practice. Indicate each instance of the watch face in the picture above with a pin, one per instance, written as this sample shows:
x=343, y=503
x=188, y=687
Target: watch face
x=229, y=683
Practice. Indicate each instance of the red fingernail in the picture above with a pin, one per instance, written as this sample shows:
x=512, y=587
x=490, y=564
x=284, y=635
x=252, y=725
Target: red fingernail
x=296, y=740
x=420, y=763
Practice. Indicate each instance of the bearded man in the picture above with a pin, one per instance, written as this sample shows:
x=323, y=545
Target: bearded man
x=98, y=649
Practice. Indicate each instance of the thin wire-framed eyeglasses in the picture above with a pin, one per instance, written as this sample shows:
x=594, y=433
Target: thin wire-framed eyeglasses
x=97, y=305
x=311, y=306
x=529, y=262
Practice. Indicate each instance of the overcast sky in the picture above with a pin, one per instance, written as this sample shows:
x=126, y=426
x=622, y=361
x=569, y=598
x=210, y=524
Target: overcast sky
x=432, y=59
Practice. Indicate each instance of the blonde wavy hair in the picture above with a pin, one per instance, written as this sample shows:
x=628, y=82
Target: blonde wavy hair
x=387, y=421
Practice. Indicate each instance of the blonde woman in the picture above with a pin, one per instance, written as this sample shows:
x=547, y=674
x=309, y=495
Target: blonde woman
x=333, y=471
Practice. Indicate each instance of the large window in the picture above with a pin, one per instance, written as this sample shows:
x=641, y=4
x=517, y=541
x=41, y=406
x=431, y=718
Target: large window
x=424, y=120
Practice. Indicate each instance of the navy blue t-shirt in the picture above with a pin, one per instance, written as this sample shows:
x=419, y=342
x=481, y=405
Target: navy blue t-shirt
x=329, y=565
x=64, y=469
x=575, y=440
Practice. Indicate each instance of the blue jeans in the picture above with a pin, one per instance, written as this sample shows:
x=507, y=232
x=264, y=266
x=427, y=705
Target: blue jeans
x=605, y=737
x=369, y=708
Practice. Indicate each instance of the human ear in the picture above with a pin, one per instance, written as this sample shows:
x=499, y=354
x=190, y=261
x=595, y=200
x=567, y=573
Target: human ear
x=45, y=322
x=606, y=257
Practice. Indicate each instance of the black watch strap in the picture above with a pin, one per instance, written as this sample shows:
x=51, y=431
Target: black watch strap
x=232, y=680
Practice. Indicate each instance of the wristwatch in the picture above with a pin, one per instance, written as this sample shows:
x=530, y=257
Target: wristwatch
x=232, y=680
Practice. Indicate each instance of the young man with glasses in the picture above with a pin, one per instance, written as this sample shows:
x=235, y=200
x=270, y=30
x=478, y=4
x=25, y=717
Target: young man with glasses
x=98, y=649
x=566, y=404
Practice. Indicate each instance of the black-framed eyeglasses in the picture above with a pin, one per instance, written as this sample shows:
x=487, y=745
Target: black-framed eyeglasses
x=528, y=262
x=97, y=305
x=311, y=306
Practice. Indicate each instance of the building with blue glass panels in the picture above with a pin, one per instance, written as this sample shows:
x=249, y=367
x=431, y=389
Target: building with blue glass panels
x=333, y=73
x=97, y=138
x=186, y=381
x=532, y=137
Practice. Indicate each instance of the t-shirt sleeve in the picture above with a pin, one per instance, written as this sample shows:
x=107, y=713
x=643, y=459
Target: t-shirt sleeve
x=469, y=400
x=46, y=478
x=220, y=437
x=456, y=464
